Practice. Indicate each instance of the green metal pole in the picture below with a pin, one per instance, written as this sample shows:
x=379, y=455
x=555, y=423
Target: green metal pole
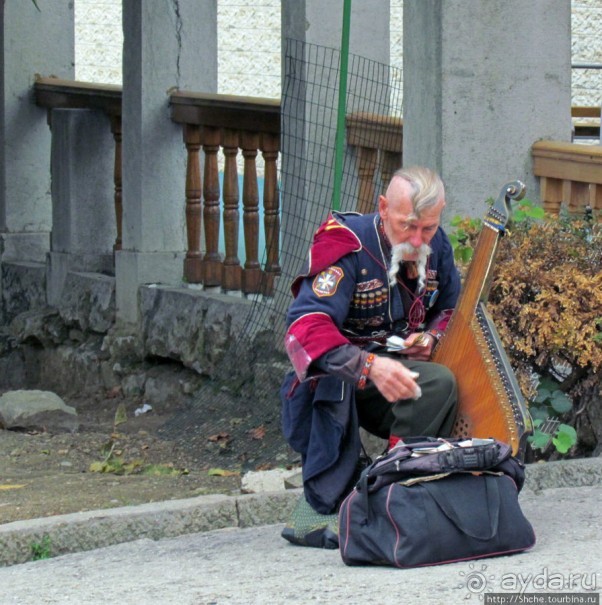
x=339, y=150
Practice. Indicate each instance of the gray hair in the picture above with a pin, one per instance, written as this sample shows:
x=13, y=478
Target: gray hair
x=427, y=187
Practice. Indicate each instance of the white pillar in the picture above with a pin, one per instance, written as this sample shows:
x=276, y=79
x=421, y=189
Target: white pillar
x=166, y=45
x=484, y=80
x=32, y=42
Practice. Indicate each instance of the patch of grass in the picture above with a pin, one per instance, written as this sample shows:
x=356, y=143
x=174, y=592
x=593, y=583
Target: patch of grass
x=42, y=549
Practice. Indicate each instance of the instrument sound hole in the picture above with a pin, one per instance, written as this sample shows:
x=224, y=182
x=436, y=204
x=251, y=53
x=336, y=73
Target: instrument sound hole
x=462, y=428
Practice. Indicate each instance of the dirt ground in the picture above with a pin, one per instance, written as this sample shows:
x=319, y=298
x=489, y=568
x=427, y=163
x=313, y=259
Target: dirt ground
x=148, y=457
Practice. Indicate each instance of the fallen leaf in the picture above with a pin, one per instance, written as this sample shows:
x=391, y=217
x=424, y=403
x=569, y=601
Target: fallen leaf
x=267, y=466
x=257, y=433
x=219, y=437
x=120, y=415
x=220, y=472
x=163, y=469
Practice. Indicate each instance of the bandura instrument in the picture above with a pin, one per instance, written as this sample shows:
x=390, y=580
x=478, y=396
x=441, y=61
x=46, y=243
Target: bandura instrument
x=490, y=401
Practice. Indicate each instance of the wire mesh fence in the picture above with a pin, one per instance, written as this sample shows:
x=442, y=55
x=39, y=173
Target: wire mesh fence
x=235, y=418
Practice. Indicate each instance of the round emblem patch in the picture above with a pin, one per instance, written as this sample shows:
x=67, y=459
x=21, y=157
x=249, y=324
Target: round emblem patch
x=326, y=282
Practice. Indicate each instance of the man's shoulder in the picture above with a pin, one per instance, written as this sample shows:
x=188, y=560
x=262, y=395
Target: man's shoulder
x=343, y=230
x=353, y=220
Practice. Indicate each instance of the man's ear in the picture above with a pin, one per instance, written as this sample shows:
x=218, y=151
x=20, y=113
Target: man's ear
x=383, y=205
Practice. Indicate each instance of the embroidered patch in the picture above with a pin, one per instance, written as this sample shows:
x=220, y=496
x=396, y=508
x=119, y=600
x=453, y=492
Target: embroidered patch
x=326, y=282
x=431, y=274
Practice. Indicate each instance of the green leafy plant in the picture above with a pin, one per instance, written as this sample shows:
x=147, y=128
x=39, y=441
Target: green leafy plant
x=462, y=238
x=42, y=549
x=549, y=403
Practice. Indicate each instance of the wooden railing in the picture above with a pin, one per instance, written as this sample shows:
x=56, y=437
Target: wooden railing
x=586, y=122
x=378, y=141
x=53, y=93
x=569, y=173
x=212, y=122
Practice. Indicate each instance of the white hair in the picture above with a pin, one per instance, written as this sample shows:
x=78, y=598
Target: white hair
x=397, y=254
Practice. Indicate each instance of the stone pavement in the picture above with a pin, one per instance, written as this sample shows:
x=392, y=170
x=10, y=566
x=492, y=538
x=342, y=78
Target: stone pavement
x=214, y=550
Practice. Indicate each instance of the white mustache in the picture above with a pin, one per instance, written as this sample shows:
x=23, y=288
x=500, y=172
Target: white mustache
x=405, y=248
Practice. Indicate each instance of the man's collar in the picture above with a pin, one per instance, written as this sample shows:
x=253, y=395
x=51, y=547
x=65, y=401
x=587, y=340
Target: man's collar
x=386, y=243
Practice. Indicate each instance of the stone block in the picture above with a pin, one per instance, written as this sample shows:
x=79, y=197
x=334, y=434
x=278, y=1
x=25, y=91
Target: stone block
x=273, y=480
x=39, y=410
x=193, y=327
x=23, y=288
x=88, y=301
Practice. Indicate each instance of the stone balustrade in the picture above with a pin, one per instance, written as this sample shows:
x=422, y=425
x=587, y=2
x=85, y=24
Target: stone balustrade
x=219, y=129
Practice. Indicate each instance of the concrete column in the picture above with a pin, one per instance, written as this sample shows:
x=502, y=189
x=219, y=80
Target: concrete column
x=32, y=42
x=484, y=80
x=166, y=45
x=83, y=209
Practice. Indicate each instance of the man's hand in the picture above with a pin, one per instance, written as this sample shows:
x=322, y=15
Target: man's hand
x=393, y=379
x=422, y=350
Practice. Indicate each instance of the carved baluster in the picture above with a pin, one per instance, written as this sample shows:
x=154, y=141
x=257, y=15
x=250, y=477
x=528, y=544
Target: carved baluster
x=231, y=269
x=117, y=180
x=212, y=265
x=366, y=167
x=390, y=162
x=250, y=198
x=270, y=146
x=551, y=191
x=193, y=269
x=579, y=197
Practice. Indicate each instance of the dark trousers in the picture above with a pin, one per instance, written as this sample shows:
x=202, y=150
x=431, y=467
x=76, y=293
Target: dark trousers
x=432, y=415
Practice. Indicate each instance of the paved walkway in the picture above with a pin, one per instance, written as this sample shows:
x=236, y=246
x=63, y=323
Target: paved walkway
x=251, y=564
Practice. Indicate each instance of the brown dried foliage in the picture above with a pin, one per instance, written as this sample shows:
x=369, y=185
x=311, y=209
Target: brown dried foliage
x=546, y=301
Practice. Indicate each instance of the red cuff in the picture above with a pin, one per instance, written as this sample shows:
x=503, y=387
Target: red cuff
x=308, y=338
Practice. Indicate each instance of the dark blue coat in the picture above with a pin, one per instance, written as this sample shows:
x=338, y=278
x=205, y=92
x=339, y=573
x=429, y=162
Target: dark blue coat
x=348, y=300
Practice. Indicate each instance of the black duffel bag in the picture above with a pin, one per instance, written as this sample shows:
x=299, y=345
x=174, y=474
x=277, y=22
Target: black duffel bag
x=416, y=507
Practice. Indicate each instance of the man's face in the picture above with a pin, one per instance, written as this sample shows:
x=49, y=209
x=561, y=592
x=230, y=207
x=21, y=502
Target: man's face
x=400, y=224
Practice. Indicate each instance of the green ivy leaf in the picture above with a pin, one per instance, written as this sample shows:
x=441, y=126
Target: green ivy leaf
x=563, y=443
x=565, y=438
x=543, y=394
x=536, y=212
x=560, y=402
x=539, y=440
x=519, y=216
x=466, y=254
x=548, y=383
x=567, y=429
x=539, y=414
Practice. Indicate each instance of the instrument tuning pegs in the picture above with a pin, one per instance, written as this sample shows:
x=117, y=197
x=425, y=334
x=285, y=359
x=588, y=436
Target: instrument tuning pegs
x=515, y=190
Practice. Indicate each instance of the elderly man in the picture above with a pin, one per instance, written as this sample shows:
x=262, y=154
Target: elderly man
x=374, y=298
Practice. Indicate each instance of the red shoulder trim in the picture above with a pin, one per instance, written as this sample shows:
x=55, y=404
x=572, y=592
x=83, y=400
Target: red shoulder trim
x=332, y=241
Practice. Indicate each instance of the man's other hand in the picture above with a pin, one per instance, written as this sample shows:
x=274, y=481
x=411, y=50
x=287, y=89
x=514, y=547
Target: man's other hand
x=422, y=350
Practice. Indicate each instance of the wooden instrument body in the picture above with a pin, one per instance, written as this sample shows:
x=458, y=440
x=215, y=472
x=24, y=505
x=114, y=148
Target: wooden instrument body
x=490, y=401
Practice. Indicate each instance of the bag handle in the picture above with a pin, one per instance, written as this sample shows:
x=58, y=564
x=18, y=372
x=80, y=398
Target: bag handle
x=493, y=506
